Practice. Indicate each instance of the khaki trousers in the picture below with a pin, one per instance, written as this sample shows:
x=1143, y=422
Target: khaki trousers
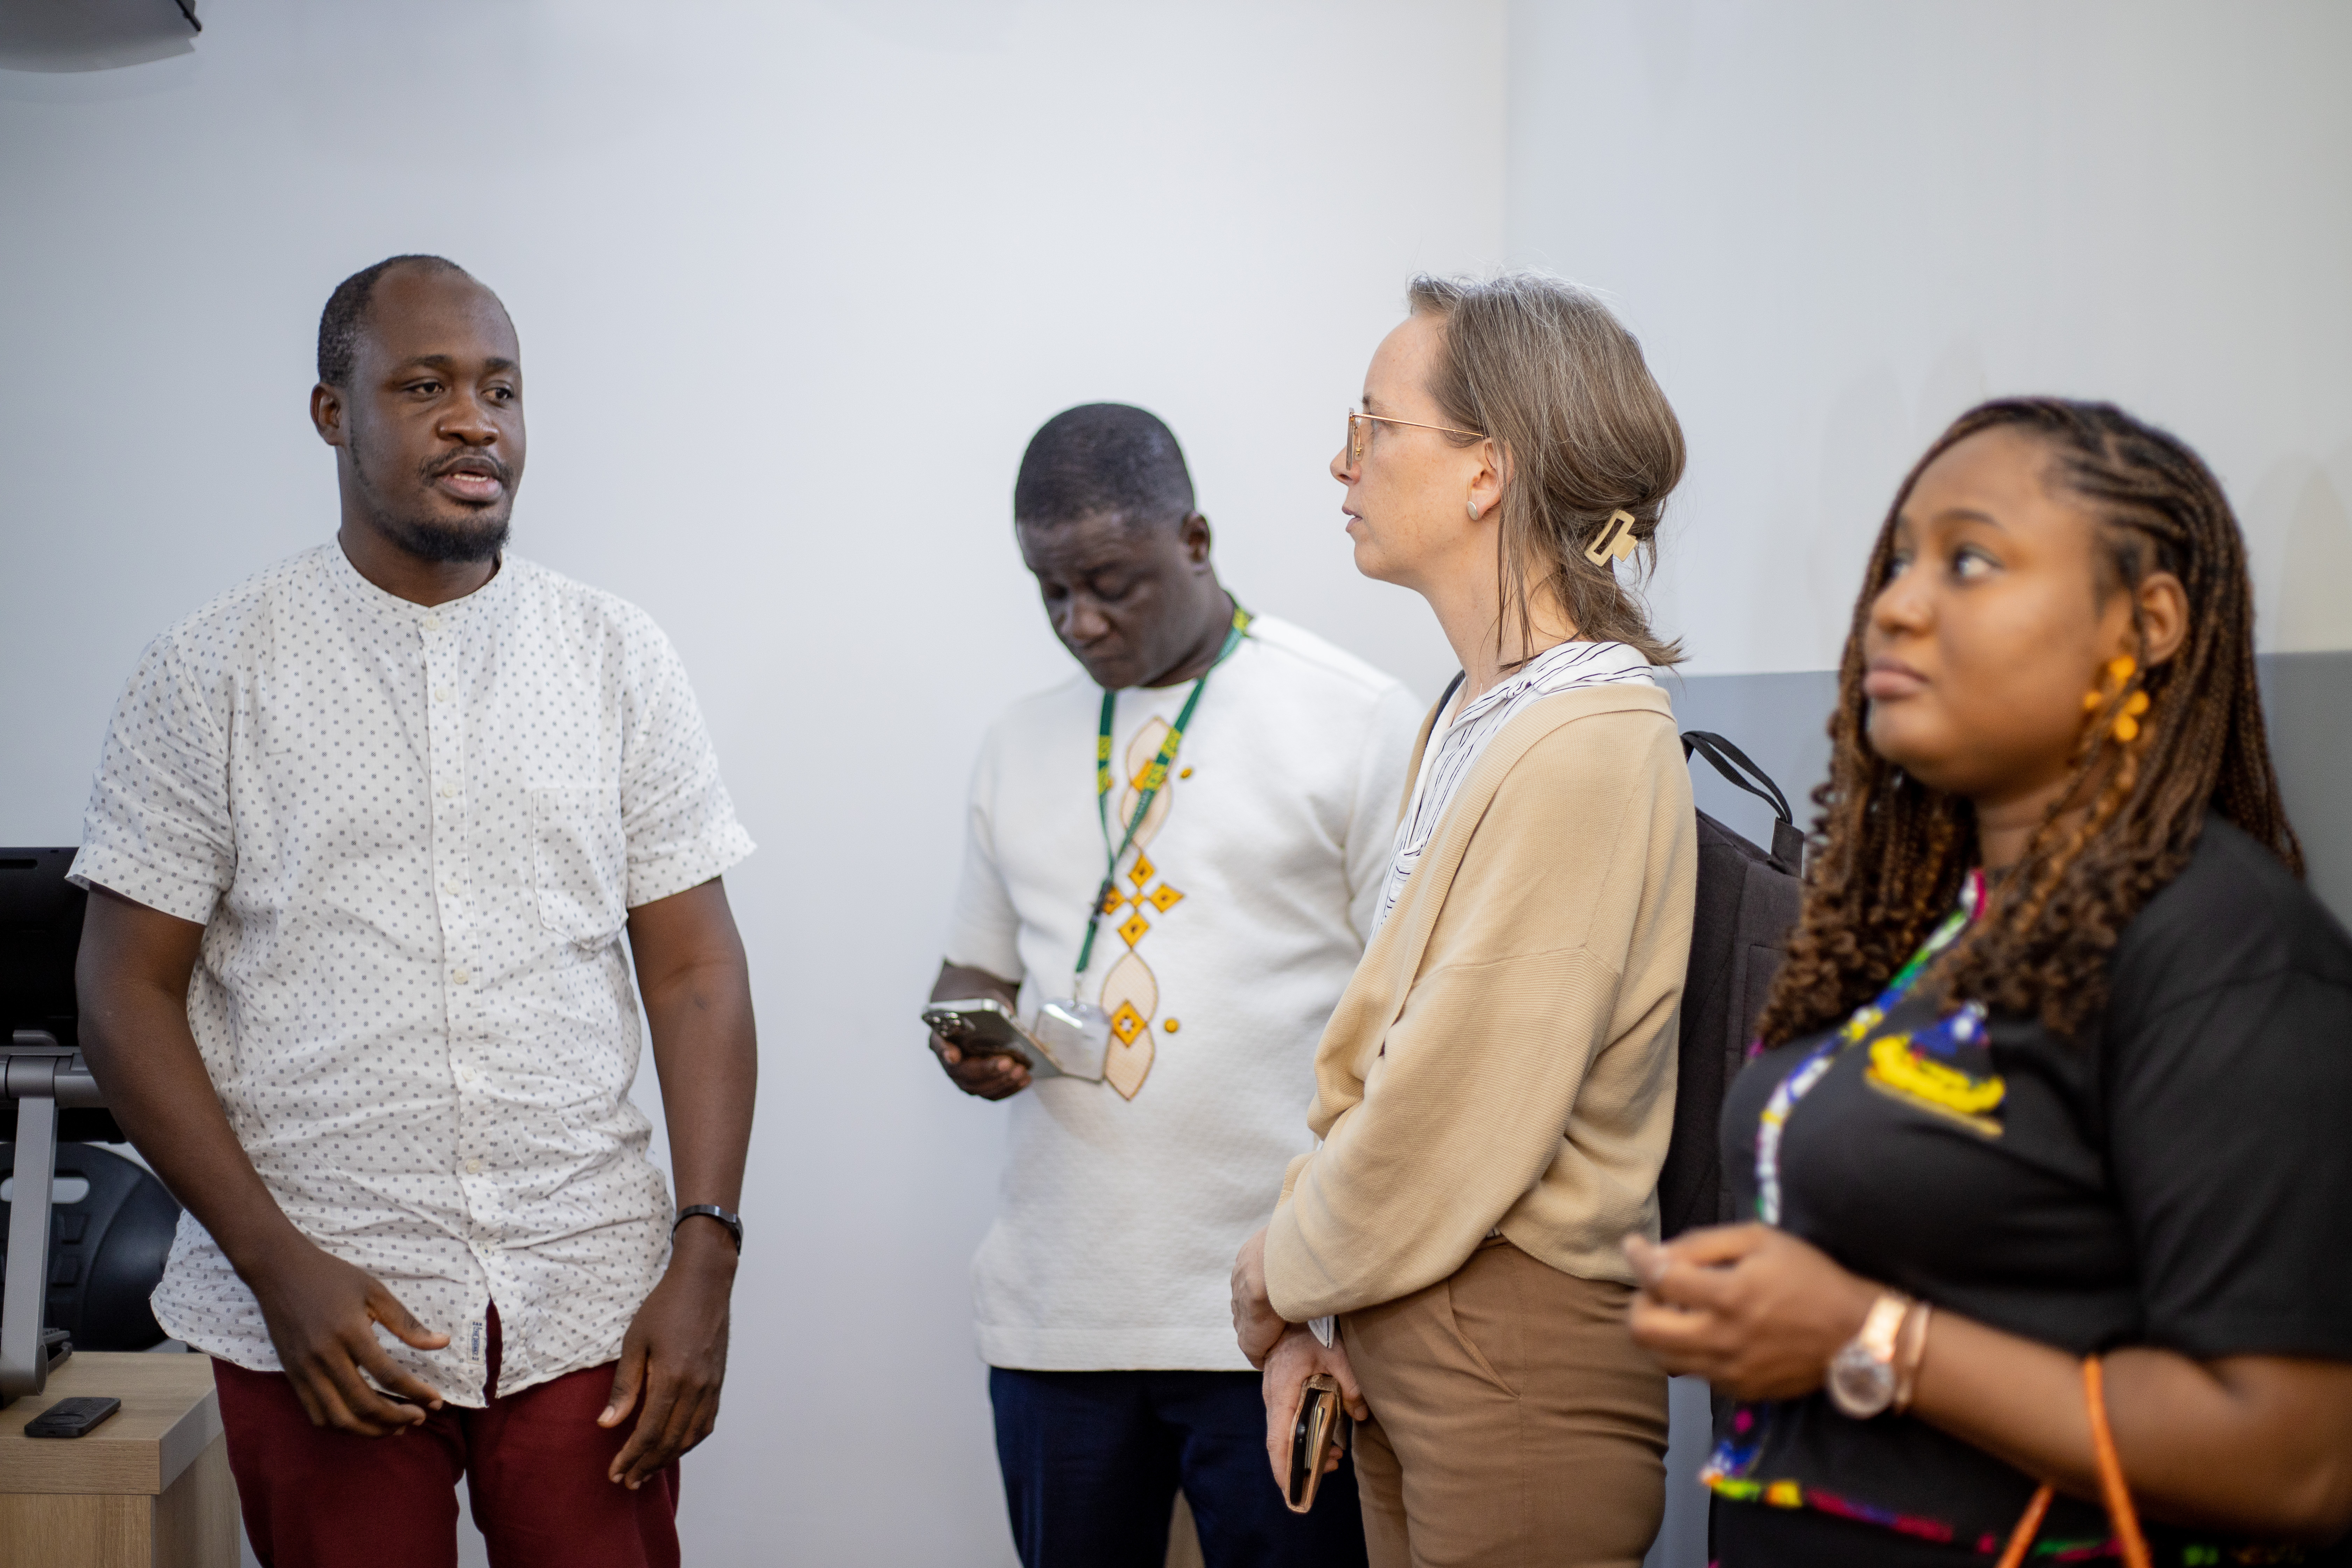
x=1514, y=1423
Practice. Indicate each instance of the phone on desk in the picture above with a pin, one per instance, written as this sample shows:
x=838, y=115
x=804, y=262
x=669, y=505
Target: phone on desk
x=981, y=1025
x=1320, y=1431
x=71, y=1418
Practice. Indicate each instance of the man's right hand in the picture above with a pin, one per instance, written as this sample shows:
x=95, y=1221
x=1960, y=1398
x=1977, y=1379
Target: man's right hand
x=322, y=1313
x=991, y=1075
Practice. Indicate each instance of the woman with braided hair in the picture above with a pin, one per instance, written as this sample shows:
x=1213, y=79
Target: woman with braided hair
x=2049, y=1135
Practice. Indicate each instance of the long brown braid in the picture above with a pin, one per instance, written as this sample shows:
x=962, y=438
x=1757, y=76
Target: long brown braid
x=1889, y=853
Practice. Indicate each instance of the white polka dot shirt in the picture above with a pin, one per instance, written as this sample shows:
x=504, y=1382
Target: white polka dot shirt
x=412, y=836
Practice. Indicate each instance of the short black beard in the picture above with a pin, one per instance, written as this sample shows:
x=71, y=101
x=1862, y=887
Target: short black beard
x=428, y=538
x=431, y=539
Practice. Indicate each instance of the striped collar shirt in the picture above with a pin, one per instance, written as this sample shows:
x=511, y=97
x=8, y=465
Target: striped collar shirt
x=413, y=834
x=1455, y=745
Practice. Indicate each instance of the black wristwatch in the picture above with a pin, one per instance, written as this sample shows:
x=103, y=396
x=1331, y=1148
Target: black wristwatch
x=734, y=1223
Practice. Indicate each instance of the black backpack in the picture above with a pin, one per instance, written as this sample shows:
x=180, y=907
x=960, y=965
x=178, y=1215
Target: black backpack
x=1745, y=907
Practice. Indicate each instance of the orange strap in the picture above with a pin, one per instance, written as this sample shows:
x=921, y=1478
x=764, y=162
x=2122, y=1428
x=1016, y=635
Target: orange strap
x=2028, y=1525
x=2112, y=1490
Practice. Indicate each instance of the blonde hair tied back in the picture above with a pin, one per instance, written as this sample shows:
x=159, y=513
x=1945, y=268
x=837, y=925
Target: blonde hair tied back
x=1561, y=387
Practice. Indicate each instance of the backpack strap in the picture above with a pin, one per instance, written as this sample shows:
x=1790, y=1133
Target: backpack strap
x=1738, y=769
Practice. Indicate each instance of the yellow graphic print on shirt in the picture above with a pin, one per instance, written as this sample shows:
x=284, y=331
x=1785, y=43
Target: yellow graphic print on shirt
x=1924, y=1070
x=1130, y=992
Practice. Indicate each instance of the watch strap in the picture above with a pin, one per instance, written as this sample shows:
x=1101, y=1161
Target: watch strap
x=1910, y=1349
x=1883, y=1324
x=733, y=1222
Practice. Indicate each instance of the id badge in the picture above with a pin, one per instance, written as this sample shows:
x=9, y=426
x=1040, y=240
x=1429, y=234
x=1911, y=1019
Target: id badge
x=1076, y=1034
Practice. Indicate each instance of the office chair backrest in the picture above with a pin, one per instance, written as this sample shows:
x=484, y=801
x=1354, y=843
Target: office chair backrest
x=106, y=1248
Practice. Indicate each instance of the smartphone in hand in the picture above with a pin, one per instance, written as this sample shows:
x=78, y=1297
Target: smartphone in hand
x=1319, y=1432
x=981, y=1025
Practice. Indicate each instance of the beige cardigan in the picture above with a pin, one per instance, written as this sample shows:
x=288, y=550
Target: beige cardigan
x=1505, y=1054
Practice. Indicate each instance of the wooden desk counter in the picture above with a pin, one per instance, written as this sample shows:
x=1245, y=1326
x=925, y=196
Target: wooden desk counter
x=147, y=1489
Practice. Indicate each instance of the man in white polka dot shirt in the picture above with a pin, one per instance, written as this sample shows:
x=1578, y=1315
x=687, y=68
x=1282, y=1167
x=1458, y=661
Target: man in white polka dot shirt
x=365, y=837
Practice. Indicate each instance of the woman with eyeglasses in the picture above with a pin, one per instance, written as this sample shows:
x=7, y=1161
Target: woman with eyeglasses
x=2049, y=1139
x=1495, y=1088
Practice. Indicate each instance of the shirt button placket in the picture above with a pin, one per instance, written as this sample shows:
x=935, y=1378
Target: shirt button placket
x=446, y=751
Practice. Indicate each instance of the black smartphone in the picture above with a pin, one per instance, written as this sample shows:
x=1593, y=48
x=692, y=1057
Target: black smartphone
x=71, y=1418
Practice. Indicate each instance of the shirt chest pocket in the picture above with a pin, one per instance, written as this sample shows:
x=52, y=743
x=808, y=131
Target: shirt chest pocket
x=579, y=862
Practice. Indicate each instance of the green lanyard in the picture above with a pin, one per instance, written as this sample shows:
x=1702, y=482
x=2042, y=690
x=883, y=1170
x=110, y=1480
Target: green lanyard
x=1154, y=777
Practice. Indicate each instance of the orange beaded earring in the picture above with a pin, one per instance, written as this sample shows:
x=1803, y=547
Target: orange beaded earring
x=2114, y=682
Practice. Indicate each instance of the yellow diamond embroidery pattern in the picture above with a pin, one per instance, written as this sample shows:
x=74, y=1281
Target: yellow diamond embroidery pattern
x=1130, y=992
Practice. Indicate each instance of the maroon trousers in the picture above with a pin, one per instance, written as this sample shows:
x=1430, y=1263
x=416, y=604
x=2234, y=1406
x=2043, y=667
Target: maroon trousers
x=534, y=1464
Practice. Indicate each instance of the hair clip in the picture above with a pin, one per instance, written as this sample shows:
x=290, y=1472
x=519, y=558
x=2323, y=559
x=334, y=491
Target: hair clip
x=1615, y=539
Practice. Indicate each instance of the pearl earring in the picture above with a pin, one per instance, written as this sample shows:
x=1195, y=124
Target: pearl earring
x=1474, y=511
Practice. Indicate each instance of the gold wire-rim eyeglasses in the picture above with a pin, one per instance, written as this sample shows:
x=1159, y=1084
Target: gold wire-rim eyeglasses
x=1357, y=434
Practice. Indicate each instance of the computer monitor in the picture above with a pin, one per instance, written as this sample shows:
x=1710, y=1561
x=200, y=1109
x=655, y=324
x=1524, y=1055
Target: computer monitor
x=40, y=928
x=40, y=932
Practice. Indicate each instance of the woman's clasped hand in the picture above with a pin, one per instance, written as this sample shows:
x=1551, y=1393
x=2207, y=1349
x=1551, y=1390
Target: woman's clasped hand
x=1286, y=1355
x=1752, y=1310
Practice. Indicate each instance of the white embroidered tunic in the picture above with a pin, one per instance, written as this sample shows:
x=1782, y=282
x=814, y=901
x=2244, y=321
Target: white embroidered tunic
x=1454, y=748
x=1242, y=915
x=412, y=836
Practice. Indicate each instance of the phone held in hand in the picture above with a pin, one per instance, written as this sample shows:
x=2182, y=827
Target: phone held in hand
x=1319, y=1432
x=71, y=1418
x=986, y=1026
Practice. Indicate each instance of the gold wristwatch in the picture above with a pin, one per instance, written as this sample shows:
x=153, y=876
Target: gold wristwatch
x=1862, y=1380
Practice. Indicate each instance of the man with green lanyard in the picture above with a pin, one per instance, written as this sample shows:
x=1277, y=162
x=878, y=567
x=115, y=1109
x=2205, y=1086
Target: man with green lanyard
x=1177, y=851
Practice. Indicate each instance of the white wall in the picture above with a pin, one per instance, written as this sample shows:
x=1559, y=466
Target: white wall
x=794, y=283
x=1837, y=224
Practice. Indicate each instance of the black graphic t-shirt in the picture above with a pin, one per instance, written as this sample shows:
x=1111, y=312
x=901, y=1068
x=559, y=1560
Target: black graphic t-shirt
x=2181, y=1177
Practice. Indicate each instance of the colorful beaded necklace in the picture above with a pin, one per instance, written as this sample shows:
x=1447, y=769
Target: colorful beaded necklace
x=1962, y=1025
